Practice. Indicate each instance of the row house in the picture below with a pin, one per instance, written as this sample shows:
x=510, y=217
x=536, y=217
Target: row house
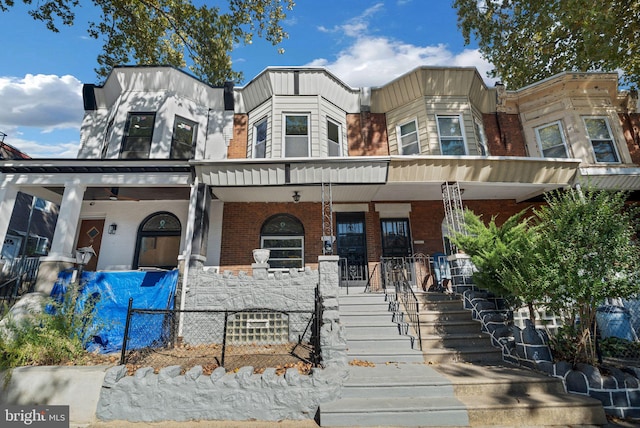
x=174, y=172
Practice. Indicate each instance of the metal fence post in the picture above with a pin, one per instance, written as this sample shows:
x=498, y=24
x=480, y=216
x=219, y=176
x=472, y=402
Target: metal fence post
x=125, y=339
x=224, y=337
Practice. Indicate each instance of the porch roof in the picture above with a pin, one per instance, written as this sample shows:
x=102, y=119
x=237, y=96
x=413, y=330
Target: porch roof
x=390, y=178
x=610, y=177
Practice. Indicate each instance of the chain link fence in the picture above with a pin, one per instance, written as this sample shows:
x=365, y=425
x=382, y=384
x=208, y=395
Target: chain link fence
x=618, y=325
x=259, y=338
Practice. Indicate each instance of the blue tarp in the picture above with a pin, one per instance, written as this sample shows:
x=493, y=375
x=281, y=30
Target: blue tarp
x=111, y=291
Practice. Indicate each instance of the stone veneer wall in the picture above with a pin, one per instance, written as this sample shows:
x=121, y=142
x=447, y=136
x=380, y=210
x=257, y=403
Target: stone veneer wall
x=243, y=395
x=618, y=390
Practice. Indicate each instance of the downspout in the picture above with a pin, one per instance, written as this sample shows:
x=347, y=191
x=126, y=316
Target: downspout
x=188, y=248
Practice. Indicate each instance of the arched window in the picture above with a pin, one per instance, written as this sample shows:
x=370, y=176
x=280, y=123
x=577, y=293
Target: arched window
x=158, y=242
x=283, y=234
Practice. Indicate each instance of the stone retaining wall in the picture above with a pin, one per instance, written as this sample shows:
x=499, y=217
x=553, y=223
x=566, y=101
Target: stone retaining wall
x=242, y=395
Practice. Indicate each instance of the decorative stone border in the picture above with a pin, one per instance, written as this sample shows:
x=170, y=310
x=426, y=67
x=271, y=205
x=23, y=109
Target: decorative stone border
x=619, y=390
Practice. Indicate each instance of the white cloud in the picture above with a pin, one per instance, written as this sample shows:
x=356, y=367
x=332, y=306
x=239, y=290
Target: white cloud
x=36, y=149
x=41, y=101
x=373, y=61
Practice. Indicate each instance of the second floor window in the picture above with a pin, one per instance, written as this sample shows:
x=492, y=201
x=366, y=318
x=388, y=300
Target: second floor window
x=260, y=139
x=138, y=133
x=601, y=139
x=408, y=138
x=450, y=134
x=333, y=138
x=184, y=134
x=296, y=136
x=551, y=140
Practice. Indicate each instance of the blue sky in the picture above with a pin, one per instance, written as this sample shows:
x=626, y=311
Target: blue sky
x=364, y=42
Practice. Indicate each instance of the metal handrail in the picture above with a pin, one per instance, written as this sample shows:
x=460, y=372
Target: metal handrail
x=410, y=303
x=367, y=287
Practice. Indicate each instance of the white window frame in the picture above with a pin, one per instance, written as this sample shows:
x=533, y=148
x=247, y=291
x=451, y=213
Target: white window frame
x=446, y=138
x=126, y=149
x=401, y=136
x=481, y=137
x=284, y=132
x=282, y=238
x=611, y=138
x=331, y=142
x=537, y=130
x=254, y=151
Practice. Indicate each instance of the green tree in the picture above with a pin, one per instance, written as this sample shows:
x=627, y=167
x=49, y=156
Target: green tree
x=170, y=32
x=505, y=257
x=589, y=254
x=529, y=40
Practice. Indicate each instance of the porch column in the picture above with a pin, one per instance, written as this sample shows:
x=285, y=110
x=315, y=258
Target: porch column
x=8, y=195
x=200, y=226
x=61, y=256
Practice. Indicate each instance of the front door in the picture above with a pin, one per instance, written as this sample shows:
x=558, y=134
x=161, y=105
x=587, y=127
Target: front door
x=352, y=246
x=396, y=238
x=91, y=234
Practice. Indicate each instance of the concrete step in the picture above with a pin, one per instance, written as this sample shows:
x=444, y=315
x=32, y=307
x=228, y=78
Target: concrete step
x=449, y=327
x=502, y=395
x=458, y=341
x=480, y=354
x=394, y=412
x=450, y=315
x=441, y=306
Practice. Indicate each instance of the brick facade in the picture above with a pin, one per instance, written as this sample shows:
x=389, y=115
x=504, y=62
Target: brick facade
x=367, y=134
x=505, y=136
x=242, y=223
x=631, y=128
x=238, y=144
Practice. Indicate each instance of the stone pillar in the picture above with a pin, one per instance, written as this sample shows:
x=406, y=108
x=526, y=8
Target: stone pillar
x=61, y=256
x=8, y=196
x=333, y=342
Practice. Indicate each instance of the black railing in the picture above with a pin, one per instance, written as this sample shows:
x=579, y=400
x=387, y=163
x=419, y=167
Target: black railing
x=18, y=277
x=351, y=273
x=410, y=305
x=258, y=337
x=374, y=282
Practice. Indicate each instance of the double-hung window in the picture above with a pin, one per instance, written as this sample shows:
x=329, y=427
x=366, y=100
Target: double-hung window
x=184, y=134
x=296, y=135
x=409, y=143
x=600, y=136
x=551, y=140
x=138, y=133
x=450, y=135
x=333, y=138
x=283, y=235
x=260, y=139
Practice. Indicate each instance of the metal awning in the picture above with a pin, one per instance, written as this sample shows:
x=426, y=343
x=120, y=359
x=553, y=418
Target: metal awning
x=610, y=177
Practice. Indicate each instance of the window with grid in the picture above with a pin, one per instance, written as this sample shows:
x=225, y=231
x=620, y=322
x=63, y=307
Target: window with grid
x=409, y=143
x=260, y=139
x=450, y=135
x=551, y=140
x=283, y=235
x=296, y=136
x=333, y=138
x=258, y=327
x=183, y=140
x=601, y=139
x=138, y=133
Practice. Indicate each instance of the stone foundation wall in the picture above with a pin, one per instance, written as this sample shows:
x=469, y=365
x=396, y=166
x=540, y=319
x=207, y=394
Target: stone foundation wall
x=170, y=396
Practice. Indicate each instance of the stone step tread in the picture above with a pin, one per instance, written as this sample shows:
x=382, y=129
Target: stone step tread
x=386, y=358
x=532, y=400
x=391, y=405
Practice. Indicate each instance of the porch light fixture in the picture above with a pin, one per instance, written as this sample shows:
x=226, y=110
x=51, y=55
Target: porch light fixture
x=112, y=228
x=296, y=197
x=84, y=254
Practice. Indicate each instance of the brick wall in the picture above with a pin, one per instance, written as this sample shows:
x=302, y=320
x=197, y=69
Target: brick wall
x=505, y=136
x=242, y=223
x=631, y=128
x=367, y=134
x=238, y=144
